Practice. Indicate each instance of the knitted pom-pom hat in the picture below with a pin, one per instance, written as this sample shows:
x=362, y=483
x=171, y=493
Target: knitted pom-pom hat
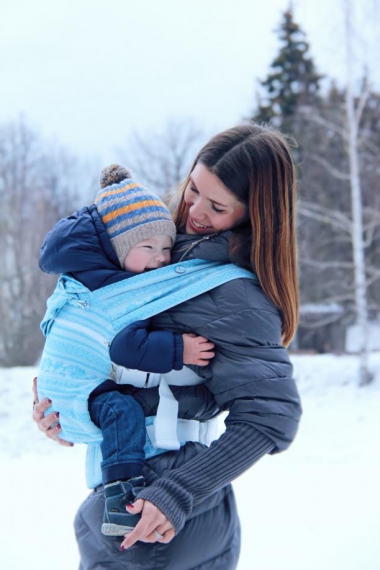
x=129, y=212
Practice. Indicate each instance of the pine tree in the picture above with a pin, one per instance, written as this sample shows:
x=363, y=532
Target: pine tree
x=293, y=80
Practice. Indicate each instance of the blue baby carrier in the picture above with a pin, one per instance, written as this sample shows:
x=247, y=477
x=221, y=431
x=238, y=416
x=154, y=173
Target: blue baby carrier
x=80, y=325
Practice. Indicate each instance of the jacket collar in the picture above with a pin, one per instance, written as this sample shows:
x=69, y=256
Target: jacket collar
x=211, y=248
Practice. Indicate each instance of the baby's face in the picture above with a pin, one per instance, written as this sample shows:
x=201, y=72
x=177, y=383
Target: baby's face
x=151, y=253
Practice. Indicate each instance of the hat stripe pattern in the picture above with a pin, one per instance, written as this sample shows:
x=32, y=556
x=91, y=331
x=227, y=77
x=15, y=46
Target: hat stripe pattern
x=118, y=190
x=120, y=230
x=148, y=205
x=130, y=214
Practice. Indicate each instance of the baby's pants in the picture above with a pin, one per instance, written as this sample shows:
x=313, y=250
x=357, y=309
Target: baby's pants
x=122, y=422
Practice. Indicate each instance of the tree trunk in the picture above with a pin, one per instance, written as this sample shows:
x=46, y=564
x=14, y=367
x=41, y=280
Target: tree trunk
x=357, y=214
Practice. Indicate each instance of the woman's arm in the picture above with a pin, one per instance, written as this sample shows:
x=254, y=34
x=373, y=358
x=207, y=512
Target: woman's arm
x=176, y=493
x=255, y=383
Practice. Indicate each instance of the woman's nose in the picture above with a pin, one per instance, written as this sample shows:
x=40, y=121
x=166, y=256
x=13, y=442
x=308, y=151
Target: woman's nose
x=196, y=209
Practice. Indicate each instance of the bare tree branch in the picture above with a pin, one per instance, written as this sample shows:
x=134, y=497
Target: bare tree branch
x=319, y=120
x=325, y=215
x=330, y=168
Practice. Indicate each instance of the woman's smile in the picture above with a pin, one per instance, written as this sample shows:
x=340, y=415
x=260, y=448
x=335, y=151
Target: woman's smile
x=197, y=226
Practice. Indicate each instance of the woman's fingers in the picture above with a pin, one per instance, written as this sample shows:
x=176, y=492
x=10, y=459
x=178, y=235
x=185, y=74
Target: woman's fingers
x=152, y=519
x=49, y=424
x=52, y=428
x=163, y=533
x=34, y=390
x=54, y=432
x=168, y=535
x=39, y=409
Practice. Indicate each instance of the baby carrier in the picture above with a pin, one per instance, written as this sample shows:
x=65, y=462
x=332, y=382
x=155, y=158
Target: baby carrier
x=80, y=325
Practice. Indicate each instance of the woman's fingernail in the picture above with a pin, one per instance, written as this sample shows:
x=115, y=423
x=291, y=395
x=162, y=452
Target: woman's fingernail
x=131, y=506
x=58, y=427
x=56, y=415
x=122, y=548
x=48, y=400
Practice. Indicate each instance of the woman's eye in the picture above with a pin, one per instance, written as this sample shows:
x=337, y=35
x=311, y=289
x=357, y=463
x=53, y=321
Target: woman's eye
x=147, y=246
x=217, y=209
x=193, y=189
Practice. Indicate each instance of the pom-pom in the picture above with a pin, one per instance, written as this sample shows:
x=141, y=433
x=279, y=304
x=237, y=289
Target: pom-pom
x=113, y=175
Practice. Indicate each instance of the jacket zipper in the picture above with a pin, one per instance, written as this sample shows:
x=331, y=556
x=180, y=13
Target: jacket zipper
x=195, y=243
x=79, y=328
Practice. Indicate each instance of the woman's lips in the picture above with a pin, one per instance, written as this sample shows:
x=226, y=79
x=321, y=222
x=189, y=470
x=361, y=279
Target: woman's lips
x=198, y=226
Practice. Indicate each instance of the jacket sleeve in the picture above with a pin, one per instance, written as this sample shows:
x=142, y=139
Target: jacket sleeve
x=138, y=348
x=79, y=245
x=253, y=381
x=73, y=244
x=251, y=378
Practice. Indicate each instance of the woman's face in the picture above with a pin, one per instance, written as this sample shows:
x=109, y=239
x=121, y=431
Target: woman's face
x=212, y=207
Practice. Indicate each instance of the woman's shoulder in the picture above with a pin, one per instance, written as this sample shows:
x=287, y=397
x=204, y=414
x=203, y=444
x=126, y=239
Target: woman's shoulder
x=242, y=294
x=231, y=306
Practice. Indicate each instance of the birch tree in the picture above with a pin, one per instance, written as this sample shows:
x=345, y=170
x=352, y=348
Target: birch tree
x=360, y=226
x=352, y=122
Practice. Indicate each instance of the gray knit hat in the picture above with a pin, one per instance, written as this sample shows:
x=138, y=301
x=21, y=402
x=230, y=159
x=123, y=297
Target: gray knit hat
x=129, y=212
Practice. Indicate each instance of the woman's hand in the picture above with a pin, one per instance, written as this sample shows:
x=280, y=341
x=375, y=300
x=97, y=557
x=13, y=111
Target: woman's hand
x=153, y=526
x=48, y=424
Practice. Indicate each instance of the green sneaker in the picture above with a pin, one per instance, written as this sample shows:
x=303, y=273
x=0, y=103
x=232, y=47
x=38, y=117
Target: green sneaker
x=117, y=521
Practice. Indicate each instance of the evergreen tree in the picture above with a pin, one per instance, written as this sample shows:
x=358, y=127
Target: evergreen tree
x=293, y=80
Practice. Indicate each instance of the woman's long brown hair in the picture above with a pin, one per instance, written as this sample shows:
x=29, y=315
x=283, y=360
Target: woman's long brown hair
x=255, y=164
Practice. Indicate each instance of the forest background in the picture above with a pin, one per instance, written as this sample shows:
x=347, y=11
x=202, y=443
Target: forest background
x=334, y=128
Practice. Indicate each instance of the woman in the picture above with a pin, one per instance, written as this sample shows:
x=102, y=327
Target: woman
x=237, y=204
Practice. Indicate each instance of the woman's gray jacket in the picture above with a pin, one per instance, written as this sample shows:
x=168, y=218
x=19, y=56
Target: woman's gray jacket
x=250, y=378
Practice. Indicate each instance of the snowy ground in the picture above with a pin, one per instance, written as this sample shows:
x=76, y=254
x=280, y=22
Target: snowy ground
x=315, y=506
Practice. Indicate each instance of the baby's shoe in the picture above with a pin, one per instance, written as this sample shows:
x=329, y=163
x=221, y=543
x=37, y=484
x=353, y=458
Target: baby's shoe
x=117, y=521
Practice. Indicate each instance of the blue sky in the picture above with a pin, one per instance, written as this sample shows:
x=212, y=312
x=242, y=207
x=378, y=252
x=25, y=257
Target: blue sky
x=87, y=72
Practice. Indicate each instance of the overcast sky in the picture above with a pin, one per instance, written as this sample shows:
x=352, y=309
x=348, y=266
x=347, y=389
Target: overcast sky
x=87, y=72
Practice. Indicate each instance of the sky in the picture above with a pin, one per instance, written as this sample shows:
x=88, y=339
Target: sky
x=88, y=73
x=314, y=506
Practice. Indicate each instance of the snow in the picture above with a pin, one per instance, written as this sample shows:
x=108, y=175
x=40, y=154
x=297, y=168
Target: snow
x=315, y=506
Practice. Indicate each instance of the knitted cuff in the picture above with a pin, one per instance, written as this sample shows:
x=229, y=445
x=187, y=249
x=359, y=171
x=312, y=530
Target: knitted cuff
x=172, y=499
